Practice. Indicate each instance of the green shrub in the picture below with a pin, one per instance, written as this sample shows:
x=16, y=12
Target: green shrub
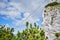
x=57, y=34
x=30, y=33
x=52, y=4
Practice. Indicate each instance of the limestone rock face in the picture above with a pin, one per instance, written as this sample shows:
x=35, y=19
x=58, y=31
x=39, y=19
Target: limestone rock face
x=51, y=21
x=54, y=1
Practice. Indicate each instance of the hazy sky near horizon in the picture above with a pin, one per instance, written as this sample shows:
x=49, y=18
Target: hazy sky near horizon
x=14, y=13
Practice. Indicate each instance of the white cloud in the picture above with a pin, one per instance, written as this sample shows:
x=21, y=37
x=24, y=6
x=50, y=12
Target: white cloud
x=17, y=6
x=2, y=5
x=26, y=14
x=30, y=7
x=11, y=14
x=24, y=20
x=7, y=25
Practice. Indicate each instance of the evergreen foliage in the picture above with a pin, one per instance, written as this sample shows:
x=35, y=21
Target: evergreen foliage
x=30, y=33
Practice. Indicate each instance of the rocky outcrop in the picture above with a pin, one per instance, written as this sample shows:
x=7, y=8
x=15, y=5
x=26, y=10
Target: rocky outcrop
x=51, y=21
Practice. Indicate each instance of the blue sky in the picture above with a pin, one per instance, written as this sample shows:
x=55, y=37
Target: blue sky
x=15, y=13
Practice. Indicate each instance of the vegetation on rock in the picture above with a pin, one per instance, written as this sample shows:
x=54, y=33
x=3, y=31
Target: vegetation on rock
x=57, y=34
x=52, y=4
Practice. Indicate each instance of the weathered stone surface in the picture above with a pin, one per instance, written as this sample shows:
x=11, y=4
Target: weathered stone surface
x=54, y=1
x=51, y=21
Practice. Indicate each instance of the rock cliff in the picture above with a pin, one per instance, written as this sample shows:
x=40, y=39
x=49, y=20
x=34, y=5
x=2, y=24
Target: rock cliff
x=51, y=19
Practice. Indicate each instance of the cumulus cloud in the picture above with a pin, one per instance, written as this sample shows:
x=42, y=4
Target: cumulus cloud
x=30, y=19
x=7, y=25
x=1, y=5
x=14, y=8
